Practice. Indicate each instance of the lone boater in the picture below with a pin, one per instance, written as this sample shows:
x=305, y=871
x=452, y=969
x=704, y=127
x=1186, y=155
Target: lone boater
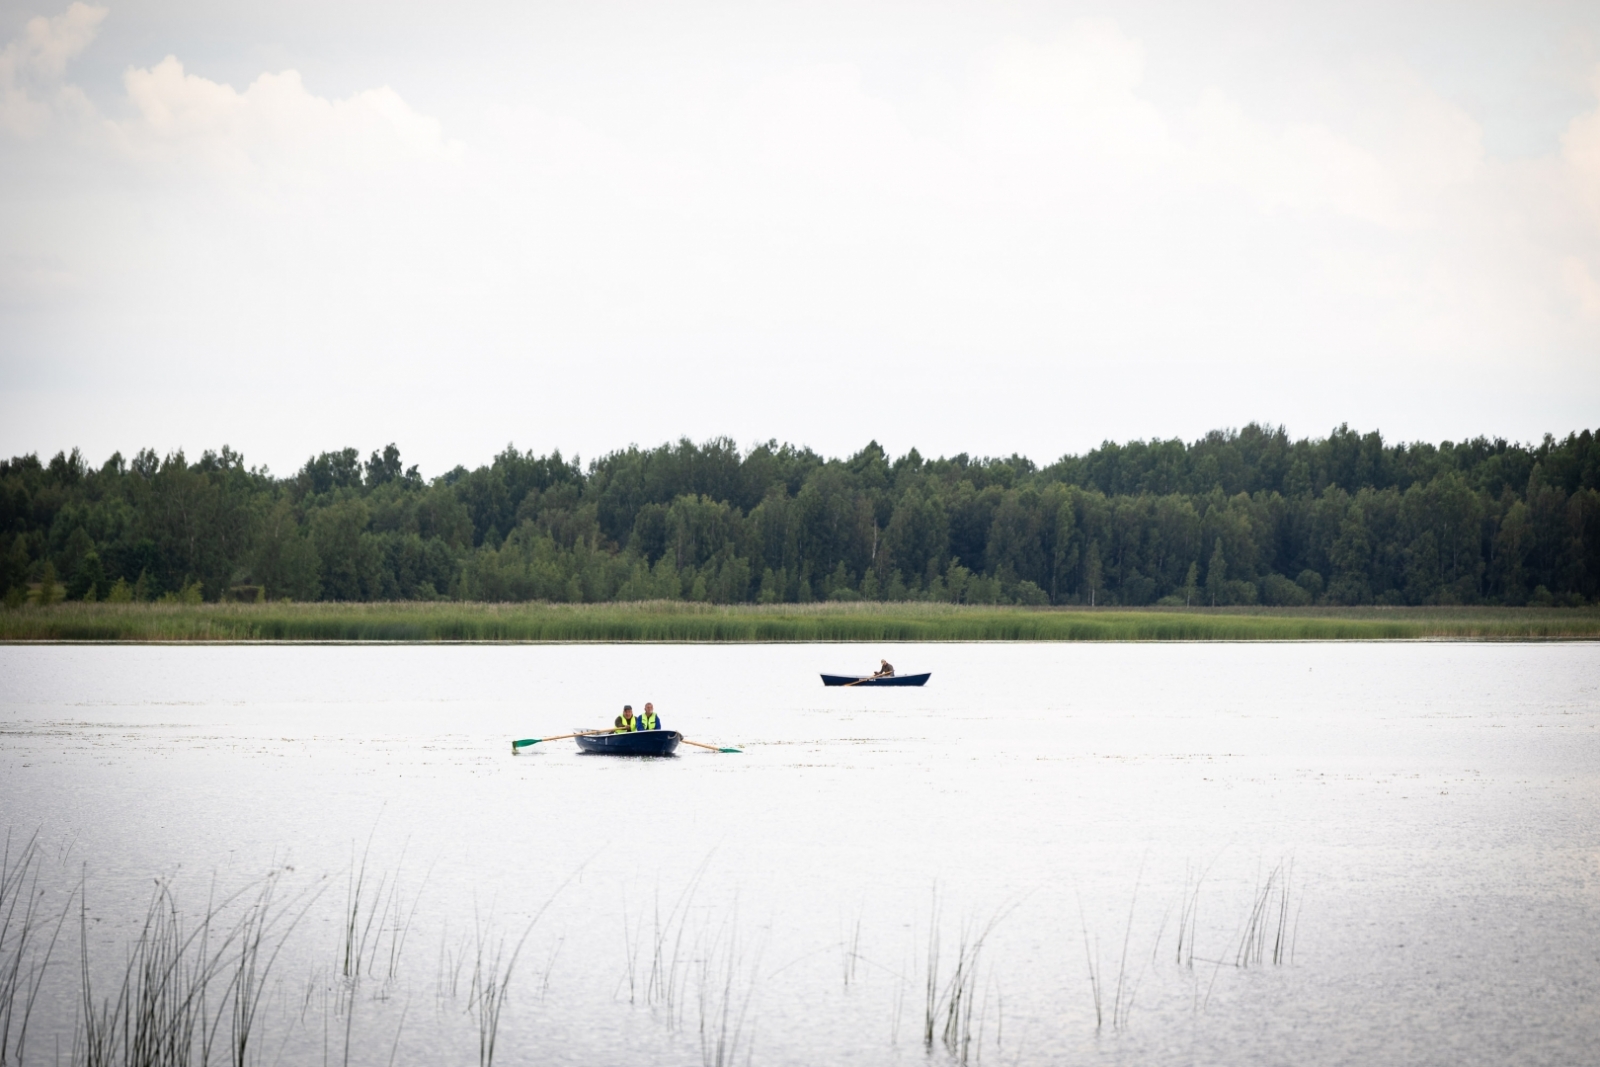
x=885, y=671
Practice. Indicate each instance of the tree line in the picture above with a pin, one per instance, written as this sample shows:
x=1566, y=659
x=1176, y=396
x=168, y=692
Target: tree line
x=1235, y=518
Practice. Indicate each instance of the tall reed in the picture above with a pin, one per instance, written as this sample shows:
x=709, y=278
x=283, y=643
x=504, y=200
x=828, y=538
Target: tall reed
x=1189, y=915
x=491, y=980
x=726, y=987
x=23, y=960
x=668, y=959
x=183, y=983
x=949, y=1005
x=851, y=947
x=1267, y=933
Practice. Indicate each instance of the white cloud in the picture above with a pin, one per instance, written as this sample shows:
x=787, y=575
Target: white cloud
x=1062, y=204
x=818, y=121
x=1582, y=285
x=1300, y=166
x=32, y=67
x=276, y=125
x=1077, y=94
x=1580, y=151
x=1407, y=147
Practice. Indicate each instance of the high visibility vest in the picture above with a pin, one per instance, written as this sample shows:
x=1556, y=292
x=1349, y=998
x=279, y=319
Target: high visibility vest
x=626, y=724
x=647, y=721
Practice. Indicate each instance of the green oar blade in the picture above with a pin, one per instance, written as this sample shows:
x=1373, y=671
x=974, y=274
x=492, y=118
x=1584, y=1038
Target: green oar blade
x=525, y=741
x=740, y=750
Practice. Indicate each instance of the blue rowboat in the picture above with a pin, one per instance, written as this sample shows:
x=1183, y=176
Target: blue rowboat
x=637, y=743
x=859, y=682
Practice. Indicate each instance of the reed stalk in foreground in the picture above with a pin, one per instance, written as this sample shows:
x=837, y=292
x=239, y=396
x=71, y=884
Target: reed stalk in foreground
x=23, y=961
x=727, y=990
x=951, y=1007
x=187, y=988
x=1267, y=932
x=491, y=979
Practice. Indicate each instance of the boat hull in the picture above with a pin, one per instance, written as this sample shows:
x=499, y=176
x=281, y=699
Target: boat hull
x=858, y=682
x=638, y=743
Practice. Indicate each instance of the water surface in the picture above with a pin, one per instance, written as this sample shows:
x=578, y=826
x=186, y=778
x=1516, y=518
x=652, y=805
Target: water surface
x=1437, y=804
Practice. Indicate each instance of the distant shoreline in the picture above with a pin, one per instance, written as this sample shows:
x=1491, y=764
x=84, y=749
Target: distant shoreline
x=679, y=622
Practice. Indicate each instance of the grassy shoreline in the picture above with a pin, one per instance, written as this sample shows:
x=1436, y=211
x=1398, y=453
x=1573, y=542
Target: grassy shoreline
x=680, y=622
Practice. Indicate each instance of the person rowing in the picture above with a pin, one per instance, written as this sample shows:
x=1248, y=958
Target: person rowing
x=648, y=720
x=885, y=671
x=626, y=723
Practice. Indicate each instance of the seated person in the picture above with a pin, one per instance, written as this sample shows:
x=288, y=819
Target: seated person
x=885, y=671
x=648, y=720
x=626, y=723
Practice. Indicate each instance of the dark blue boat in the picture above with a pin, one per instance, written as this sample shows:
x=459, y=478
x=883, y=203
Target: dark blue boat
x=637, y=743
x=859, y=682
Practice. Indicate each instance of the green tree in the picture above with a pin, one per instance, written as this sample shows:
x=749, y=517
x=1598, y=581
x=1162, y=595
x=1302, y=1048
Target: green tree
x=1217, y=576
x=89, y=582
x=49, y=592
x=1093, y=571
x=1351, y=558
x=284, y=559
x=1511, y=544
x=14, y=565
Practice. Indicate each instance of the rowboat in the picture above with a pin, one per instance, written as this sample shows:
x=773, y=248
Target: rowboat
x=860, y=682
x=637, y=743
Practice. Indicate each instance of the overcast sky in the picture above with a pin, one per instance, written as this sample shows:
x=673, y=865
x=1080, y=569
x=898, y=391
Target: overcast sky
x=296, y=226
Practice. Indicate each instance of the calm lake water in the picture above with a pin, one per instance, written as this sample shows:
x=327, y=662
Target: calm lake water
x=1432, y=809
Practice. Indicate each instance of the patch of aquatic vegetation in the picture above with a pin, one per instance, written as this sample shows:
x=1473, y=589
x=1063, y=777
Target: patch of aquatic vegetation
x=286, y=968
x=688, y=622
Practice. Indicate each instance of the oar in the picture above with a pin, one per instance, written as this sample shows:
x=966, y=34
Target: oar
x=858, y=681
x=559, y=737
x=714, y=748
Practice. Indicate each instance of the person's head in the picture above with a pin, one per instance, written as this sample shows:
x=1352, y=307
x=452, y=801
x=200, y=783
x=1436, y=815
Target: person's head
x=627, y=711
x=649, y=707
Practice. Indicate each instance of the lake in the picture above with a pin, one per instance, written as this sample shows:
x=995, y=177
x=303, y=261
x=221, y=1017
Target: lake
x=1254, y=853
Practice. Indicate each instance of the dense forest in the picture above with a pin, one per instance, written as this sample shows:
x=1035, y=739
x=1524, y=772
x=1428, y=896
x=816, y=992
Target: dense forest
x=1238, y=517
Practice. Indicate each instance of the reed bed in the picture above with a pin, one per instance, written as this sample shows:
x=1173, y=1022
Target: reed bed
x=194, y=988
x=695, y=623
x=690, y=950
x=210, y=986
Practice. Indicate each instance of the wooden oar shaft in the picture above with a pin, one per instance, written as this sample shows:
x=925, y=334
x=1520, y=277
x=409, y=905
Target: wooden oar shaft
x=558, y=737
x=701, y=744
x=869, y=678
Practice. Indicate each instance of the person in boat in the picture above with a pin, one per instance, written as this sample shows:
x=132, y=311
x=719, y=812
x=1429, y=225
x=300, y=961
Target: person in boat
x=884, y=671
x=648, y=720
x=626, y=723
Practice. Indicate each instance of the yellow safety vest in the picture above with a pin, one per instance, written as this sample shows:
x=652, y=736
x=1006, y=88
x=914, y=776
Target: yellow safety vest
x=626, y=725
x=647, y=721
